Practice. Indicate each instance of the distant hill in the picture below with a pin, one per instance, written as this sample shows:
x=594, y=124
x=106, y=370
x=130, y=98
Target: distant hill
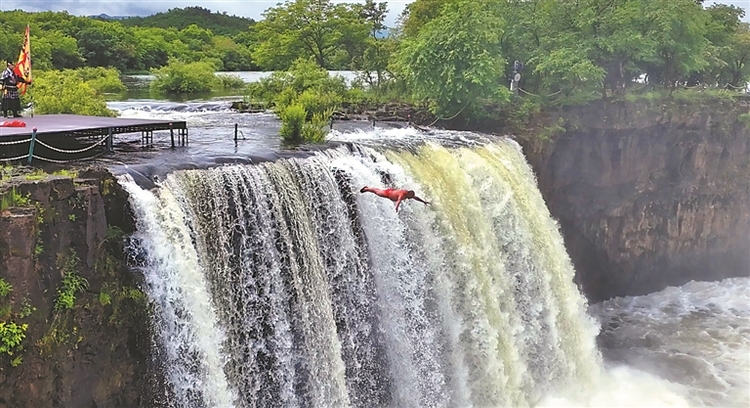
x=218, y=23
x=108, y=17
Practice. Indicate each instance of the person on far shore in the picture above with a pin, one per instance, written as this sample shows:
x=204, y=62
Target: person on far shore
x=11, y=100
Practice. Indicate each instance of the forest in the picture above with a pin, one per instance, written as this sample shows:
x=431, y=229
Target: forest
x=453, y=55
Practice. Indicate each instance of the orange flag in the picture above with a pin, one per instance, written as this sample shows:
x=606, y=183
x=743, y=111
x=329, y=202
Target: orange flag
x=23, y=66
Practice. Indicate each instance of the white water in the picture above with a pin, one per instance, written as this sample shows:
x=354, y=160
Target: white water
x=697, y=335
x=468, y=302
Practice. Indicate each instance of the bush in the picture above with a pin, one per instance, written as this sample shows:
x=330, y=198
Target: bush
x=65, y=92
x=230, y=82
x=103, y=80
x=179, y=77
x=318, y=102
x=314, y=131
x=292, y=120
x=302, y=76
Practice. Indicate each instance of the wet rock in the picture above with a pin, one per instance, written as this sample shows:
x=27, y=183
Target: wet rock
x=648, y=198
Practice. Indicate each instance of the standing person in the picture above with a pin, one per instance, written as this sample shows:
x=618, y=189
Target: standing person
x=11, y=100
x=395, y=195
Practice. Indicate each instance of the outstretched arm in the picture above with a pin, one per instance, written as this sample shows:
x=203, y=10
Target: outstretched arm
x=398, y=203
x=422, y=201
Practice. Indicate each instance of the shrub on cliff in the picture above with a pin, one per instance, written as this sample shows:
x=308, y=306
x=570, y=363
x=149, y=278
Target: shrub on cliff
x=11, y=333
x=292, y=118
x=300, y=125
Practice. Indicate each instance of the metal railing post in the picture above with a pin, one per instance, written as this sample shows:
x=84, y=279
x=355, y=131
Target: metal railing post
x=31, y=145
x=109, y=140
x=171, y=134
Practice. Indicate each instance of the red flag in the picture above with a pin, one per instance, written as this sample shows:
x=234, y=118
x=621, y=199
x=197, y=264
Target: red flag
x=23, y=66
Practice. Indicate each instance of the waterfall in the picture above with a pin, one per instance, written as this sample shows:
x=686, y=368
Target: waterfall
x=280, y=284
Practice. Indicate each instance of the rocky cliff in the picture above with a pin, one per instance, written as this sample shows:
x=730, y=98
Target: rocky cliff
x=649, y=194
x=84, y=326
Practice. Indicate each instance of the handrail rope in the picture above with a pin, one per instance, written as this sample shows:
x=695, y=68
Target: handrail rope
x=449, y=118
x=532, y=94
x=52, y=160
x=15, y=142
x=14, y=158
x=73, y=151
x=68, y=161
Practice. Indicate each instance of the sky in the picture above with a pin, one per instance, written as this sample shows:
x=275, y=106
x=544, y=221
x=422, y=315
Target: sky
x=244, y=8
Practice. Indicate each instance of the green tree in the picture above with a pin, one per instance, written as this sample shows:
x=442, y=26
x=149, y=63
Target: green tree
x=11, y=42
x=308, y=28
x=234, y=57
x=678, y=28
x=736, y=55
x=107, y=44
x=724, y=51
x=455, y=60
x=152, y=47
x=65, y=53
x=195, y=37
x=418, y=13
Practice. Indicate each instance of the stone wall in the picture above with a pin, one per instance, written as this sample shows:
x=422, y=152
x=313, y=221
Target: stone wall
x=649, y=196
x=96, y=353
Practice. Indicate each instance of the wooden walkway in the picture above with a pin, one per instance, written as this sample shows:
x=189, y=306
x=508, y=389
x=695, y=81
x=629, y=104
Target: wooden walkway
x=79, y=125
x=62, y=132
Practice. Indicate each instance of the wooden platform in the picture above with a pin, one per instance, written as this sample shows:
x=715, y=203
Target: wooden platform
x=75, y=137
x=79, y=125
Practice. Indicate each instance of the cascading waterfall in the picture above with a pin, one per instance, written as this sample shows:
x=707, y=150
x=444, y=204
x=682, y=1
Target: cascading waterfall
x=279, y=284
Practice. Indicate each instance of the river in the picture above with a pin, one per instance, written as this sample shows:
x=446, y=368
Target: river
x=297, y=290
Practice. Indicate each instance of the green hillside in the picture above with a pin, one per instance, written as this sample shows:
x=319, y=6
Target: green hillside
x=180, y=18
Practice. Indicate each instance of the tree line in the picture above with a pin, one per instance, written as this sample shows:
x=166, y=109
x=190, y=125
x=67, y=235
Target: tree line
x=454, y=54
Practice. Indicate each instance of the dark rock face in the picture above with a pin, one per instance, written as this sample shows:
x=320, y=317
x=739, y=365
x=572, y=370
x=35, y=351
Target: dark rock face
x=98, y=352
x=648, y=198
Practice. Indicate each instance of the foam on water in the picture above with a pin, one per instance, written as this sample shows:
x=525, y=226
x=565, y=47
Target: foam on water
x=622, y=386
x=697, y=335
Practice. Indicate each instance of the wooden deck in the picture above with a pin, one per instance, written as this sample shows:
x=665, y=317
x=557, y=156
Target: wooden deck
x=66, y=134
x=79, y=125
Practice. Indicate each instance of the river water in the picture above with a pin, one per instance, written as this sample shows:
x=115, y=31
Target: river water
x=439, y=338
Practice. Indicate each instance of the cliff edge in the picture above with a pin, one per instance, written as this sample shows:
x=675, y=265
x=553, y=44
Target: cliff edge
x=649, y=194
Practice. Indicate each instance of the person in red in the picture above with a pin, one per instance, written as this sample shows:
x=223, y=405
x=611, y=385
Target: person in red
x=395, y=195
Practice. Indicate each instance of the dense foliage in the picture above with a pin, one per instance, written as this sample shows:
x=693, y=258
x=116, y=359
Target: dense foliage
x=178, y=77
x=217, y=23
x=77, y=92
x=457, y=56
x=304, y=97
x=576, y=50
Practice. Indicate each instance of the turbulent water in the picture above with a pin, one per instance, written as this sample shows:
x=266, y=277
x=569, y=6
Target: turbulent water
x=697, y=335
x=279, y=284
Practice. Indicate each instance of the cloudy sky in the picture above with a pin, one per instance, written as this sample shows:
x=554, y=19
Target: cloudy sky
x=245, y=8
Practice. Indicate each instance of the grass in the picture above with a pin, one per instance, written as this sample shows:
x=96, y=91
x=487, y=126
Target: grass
x=13, y=198
x=37, y=174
